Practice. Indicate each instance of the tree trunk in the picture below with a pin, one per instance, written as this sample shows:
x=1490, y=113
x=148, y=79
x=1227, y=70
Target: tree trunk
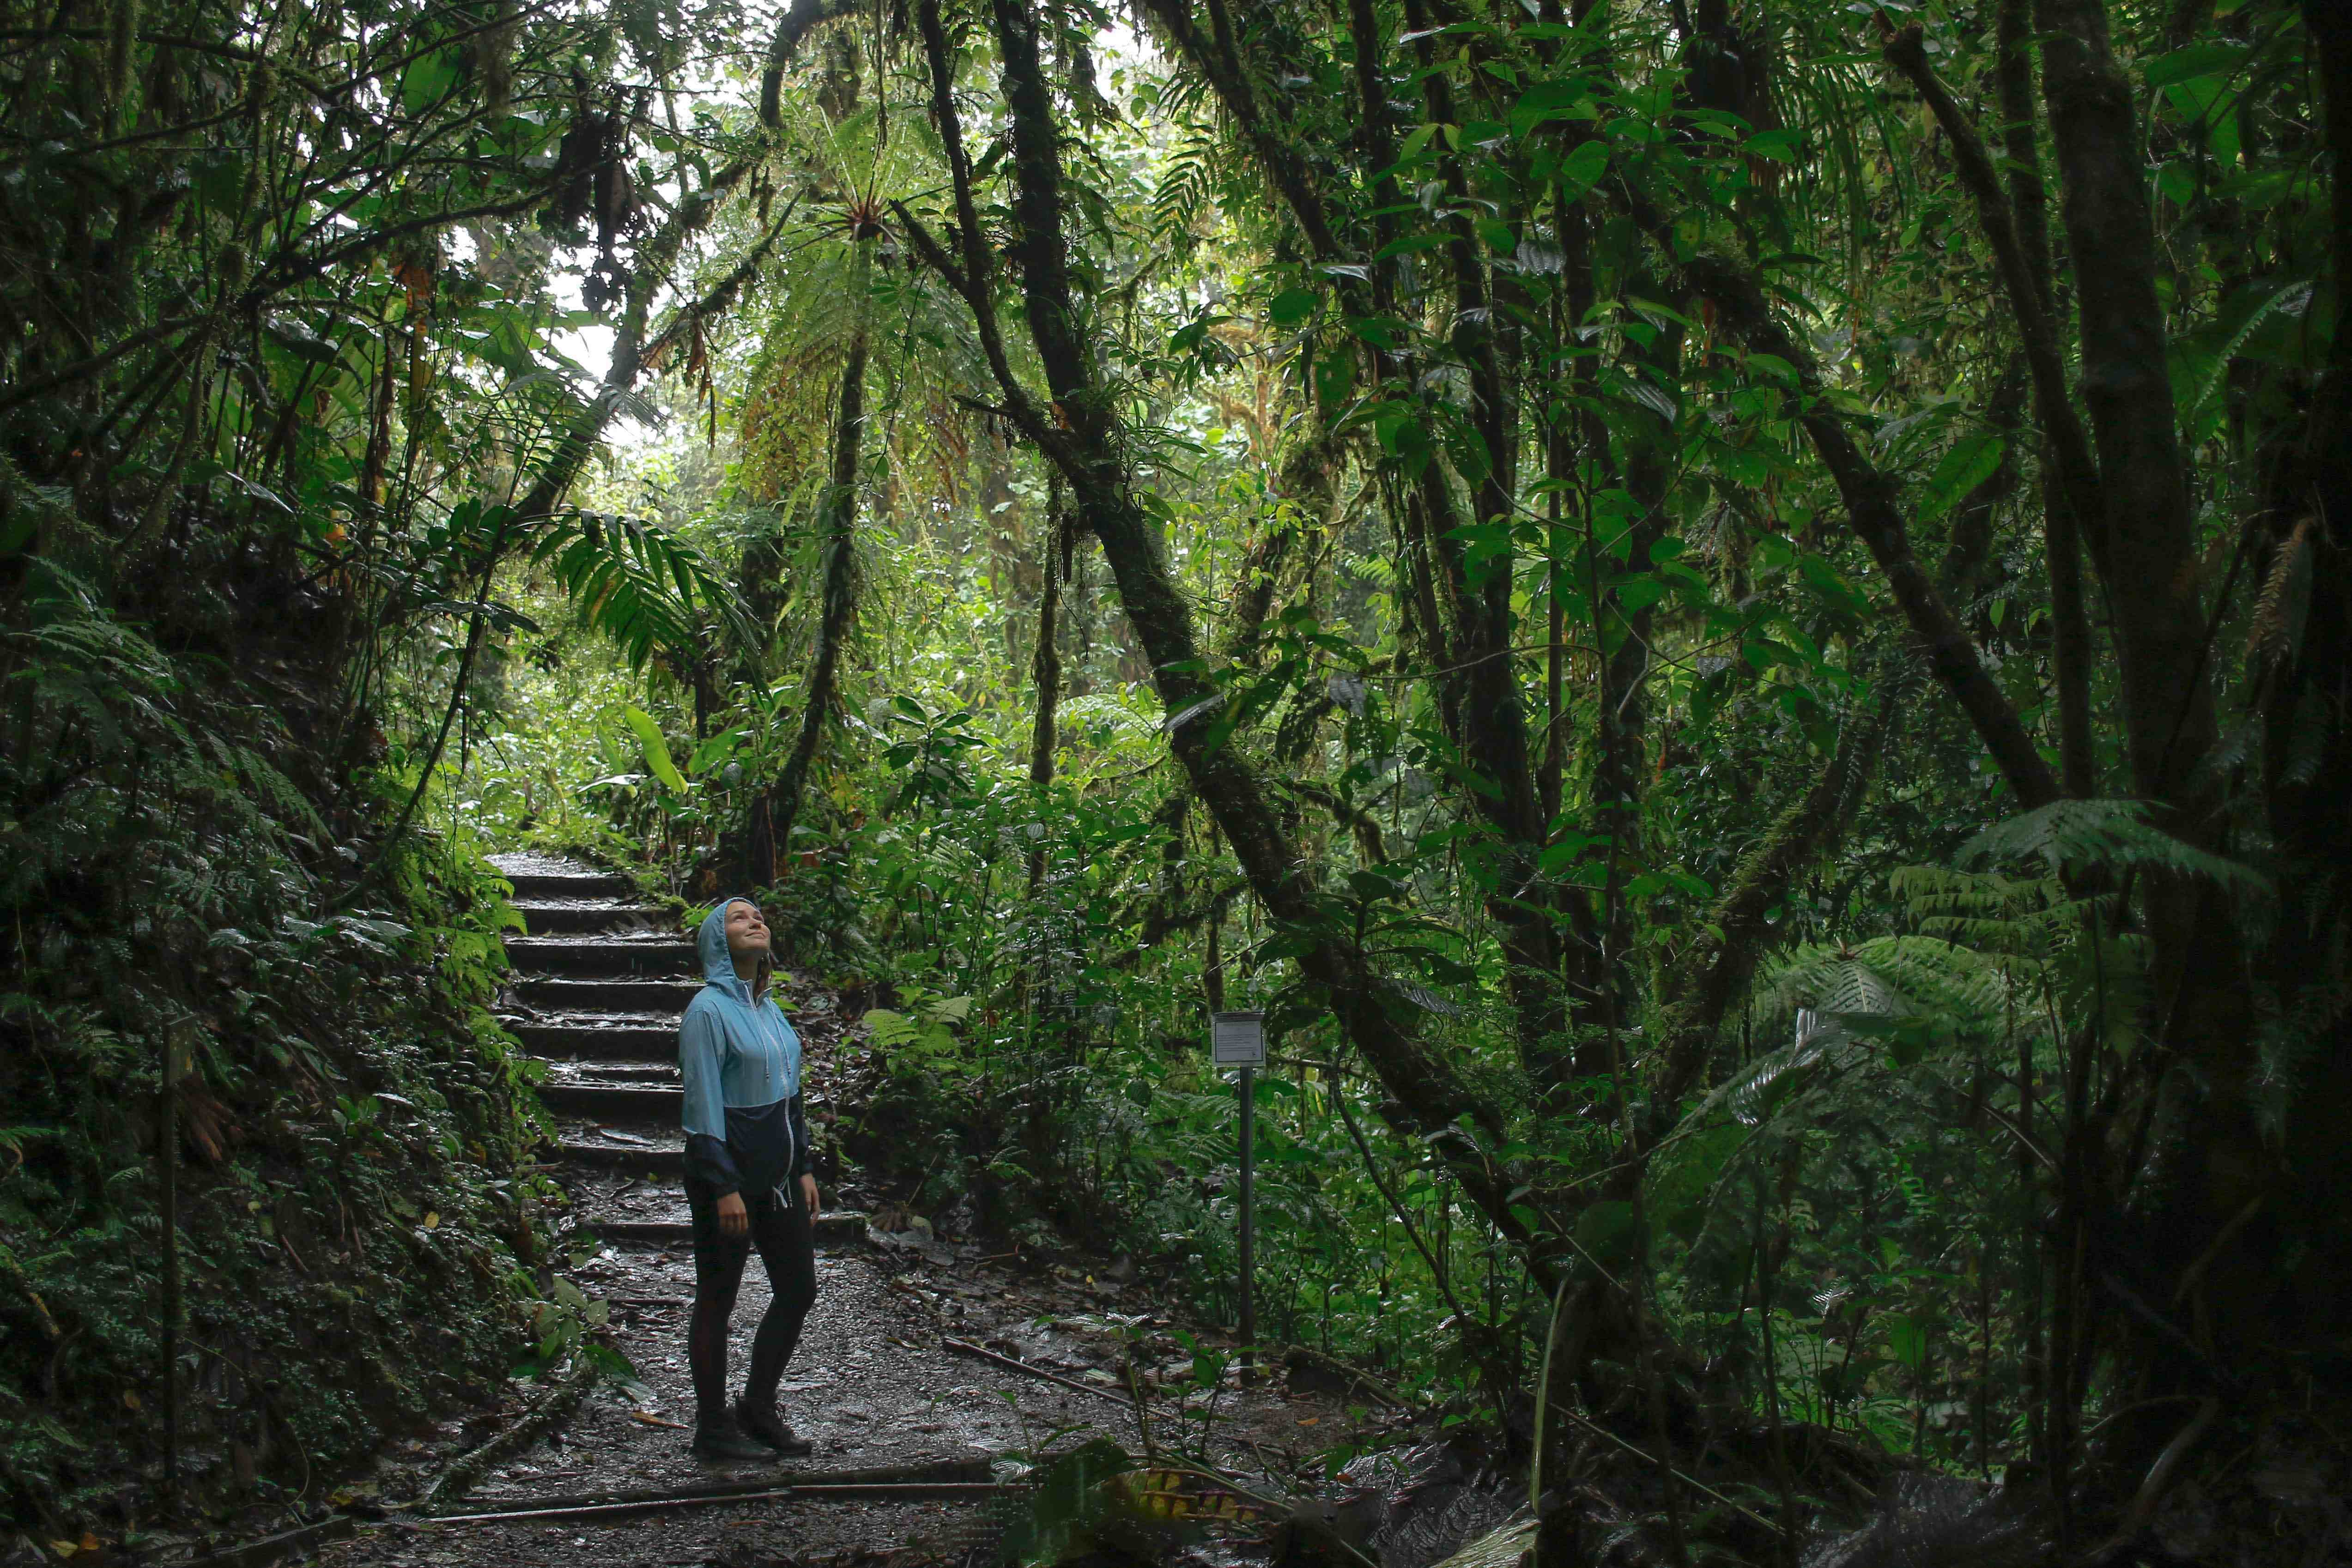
x=2212, y=1160
x=837, y=526
x=2063, y=525
x=2306, y=686
x=1045, y=668
x=1485, y=668
x=1599, y=976
x=1085, y=441
x=1305, y=481
x=1480, y=693
x=1871, y=510
x=2074, y=502
x=1714, y=969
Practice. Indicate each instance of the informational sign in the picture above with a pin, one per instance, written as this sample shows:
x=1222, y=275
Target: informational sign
x=1237, y=1040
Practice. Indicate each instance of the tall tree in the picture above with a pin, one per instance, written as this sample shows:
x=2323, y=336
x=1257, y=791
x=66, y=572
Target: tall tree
x=837, y=542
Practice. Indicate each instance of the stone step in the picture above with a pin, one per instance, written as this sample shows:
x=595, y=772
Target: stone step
x=614, y=1102
x=603, y=957
x=622, y=1072
x=648, y=1159
x=573, y=886
x=834, y=1228
x=557, y=919
x=577, y=1039
x=666, y=996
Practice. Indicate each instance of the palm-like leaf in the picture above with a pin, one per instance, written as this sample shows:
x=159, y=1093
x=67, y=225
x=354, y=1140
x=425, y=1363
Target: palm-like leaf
x=2070, y=836
x=637, y=585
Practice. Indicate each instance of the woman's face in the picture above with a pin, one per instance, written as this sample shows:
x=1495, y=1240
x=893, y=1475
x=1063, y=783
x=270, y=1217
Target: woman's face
x=747, y=932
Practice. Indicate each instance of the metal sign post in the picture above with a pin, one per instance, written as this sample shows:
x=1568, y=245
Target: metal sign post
x=1238, y=1039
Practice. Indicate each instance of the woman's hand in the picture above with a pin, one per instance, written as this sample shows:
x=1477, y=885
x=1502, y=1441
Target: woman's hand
x=808, y=1197
x=734, y=1220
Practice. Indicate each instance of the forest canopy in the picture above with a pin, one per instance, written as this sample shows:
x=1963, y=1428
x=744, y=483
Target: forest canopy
x=1733, y=617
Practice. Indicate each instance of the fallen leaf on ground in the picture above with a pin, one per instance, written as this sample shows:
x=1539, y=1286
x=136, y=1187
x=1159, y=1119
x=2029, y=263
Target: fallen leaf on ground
x=646, y=1417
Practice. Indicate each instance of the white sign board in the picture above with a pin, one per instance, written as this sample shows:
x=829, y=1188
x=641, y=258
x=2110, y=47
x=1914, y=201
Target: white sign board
x=1237, y=1040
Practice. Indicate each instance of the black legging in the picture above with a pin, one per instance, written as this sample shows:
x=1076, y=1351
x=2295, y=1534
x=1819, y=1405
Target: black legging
x=788, y=1248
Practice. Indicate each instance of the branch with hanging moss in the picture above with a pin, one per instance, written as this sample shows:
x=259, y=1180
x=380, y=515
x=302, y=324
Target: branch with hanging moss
x=799, y=20
x=1869, y=494
x=1737, y=928
x=1430, y=1099
x=631, y=352
x=2079, y=512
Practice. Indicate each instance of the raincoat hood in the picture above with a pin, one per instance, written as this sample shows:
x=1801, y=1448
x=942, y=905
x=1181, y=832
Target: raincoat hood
x=717, y=962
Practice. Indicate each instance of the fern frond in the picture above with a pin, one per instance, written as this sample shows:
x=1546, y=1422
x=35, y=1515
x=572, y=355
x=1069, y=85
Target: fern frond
x=2271, y=636
x=2290, y=1046
x=2069, y=836
x=1758, y=1091
x=2294, y=298
x=1183, y=191
x=636, y=584
x=1831, y=979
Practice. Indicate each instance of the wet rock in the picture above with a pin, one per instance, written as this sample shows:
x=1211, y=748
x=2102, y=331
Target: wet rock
x=1937, y=1521
x=1423, y=1503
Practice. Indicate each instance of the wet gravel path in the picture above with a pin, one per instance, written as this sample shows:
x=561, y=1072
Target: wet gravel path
x=875, y=1388
x=874, y=1383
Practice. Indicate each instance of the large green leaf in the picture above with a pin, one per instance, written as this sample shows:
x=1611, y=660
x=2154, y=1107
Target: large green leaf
x=1966, y=464
x=656, y=750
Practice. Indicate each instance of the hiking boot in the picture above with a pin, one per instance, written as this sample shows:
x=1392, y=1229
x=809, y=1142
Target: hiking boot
x=726, y=1442
x=767, y=1428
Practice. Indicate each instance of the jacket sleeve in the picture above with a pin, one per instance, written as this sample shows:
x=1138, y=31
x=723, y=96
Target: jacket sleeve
x=798, y=1111
x=701, y=1053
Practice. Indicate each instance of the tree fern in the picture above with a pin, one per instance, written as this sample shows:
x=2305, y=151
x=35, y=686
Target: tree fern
x=1184, y=188
x=2069, y=837
x=636, y=584
x=1887, y=978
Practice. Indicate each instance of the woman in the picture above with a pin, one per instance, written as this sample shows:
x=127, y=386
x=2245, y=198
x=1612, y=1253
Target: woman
x=747, y=1182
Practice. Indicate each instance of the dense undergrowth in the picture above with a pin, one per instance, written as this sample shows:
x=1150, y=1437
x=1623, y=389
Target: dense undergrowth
x=1554, y=553
x=260, y=452
x=1043, y=960
x=347, y=1132
x=1738, y=630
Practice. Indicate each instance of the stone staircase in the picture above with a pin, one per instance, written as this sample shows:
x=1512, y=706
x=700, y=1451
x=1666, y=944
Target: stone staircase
x=599, y=983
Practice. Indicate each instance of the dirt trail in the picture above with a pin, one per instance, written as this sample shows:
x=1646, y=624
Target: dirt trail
x=600, y=984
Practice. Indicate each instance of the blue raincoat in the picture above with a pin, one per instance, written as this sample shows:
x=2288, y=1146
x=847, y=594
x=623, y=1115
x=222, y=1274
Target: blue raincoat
x=745, y=1130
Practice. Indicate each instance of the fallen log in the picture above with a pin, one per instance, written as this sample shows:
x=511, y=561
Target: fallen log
x=655, y=1502
x=933, y=1470
x=965, y=1348
x=542, y=1418
x=285, y=1543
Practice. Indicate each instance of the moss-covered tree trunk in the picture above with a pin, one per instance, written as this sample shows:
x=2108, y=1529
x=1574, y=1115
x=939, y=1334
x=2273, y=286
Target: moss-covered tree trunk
x=1046, y=666
x=1462, y=598
x=2211, y=1159
x=837, y=532
x=1083, y=438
